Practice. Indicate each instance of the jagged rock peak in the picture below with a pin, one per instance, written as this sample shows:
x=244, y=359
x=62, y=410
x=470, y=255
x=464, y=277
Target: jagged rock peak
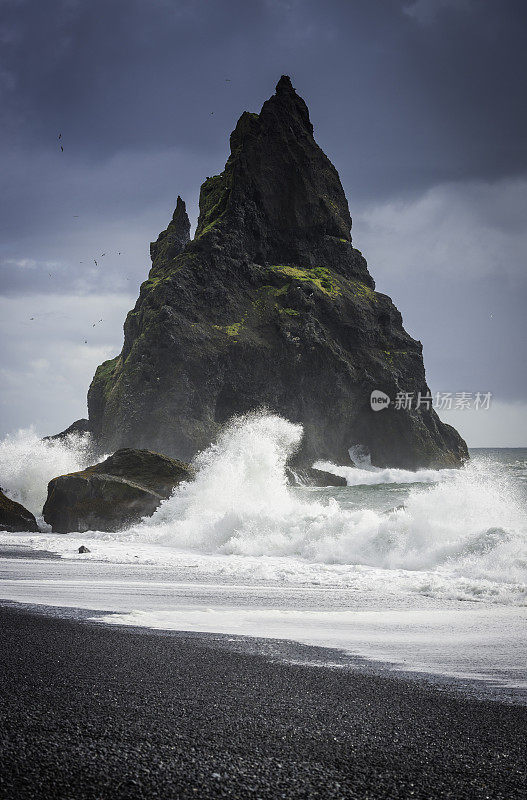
x=174, y=239
x=180, y=214
x=289, y=102
x=284, y=85
x=279, y=199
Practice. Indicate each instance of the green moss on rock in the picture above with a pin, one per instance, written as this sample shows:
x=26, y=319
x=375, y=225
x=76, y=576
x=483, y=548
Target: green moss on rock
x=321, y=277
x=362, y=291
x=290, y=311
x=231, y=330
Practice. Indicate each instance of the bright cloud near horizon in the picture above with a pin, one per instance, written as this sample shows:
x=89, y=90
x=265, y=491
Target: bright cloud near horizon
x=418, y=104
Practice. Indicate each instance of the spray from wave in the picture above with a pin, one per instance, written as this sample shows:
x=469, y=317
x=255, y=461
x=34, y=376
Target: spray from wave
x=28, y=463
x=471, y=523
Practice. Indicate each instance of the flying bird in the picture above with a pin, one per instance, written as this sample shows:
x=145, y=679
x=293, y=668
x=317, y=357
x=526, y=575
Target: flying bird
x=60, y=136
x=95, y=263
x=103, y=254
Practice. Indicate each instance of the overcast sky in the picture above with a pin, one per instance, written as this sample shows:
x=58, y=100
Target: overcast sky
x=420, y=104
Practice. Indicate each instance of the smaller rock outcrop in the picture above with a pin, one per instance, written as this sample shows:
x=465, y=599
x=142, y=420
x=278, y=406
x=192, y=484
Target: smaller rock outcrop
x=79, y=426
x=128, y=485
x=14, y=518
x=84, y=549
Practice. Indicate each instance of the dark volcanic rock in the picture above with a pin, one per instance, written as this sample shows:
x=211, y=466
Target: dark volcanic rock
x=117, y=492
x=79, y=426
x=84, y=549
x=269, y=305
x=14, y=517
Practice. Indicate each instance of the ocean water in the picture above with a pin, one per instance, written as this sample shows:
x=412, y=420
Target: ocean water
x=425, y=569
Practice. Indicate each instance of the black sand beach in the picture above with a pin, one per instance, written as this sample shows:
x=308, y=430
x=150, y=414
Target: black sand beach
x=95, y=712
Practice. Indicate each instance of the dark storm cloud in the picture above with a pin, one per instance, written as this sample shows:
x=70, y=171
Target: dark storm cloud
x=401, y=96
x=144, y=93
x=419, y=103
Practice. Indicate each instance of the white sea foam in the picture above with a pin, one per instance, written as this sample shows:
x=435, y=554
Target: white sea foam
x=367, y=617
x=28, y=463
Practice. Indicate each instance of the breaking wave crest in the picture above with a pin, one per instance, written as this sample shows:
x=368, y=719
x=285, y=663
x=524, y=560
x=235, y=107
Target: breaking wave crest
x=471, y=522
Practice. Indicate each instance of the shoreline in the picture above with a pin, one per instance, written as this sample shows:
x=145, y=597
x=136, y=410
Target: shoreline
x=290, y=651
x=389, y=639
x=92, y=710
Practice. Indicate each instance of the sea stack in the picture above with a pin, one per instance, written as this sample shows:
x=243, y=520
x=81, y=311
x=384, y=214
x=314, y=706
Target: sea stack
x=268, y=306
